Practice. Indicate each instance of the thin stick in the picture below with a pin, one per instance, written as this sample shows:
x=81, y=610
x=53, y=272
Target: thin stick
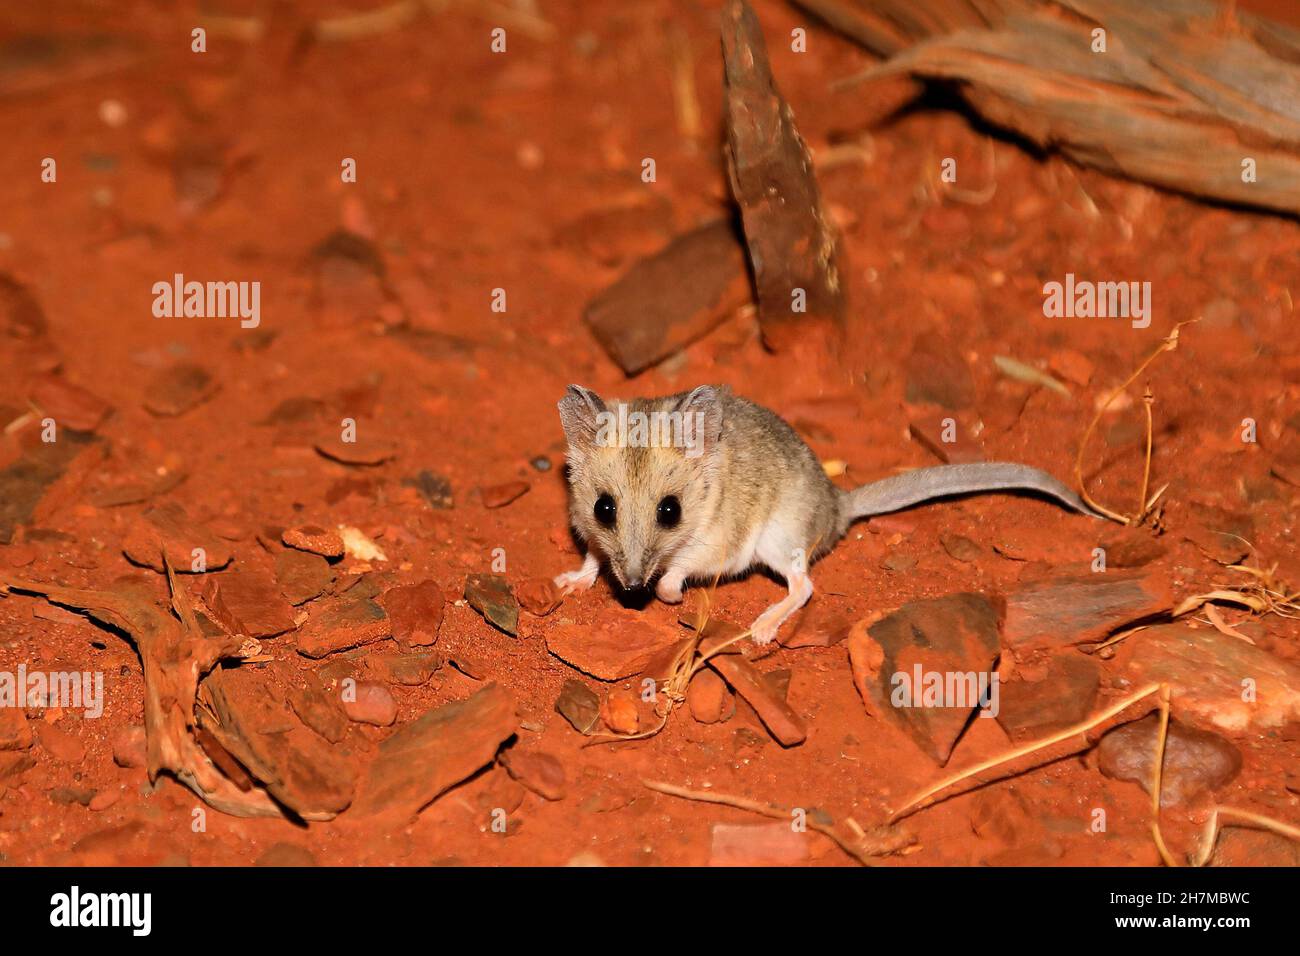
x=859, y=853
x=912, y=804
x=1157, y=774
x=1167, y=344
x=1247, y=817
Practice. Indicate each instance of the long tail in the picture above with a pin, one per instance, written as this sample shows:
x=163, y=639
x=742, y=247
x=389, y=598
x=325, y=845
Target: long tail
x=926, y=484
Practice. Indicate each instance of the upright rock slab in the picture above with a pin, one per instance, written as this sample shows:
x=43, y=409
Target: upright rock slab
x=791, y=244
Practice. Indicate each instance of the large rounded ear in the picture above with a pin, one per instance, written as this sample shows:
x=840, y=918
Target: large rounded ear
x=578, y=414
x=702, y=418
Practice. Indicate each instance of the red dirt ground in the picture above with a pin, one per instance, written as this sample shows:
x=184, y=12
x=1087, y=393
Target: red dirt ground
x=522, y=172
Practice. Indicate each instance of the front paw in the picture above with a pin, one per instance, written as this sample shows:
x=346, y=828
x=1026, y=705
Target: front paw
x=763, y=633
x=571, y=581
x=670, y=592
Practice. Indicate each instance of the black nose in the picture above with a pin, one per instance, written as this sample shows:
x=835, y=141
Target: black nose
x=635, y=583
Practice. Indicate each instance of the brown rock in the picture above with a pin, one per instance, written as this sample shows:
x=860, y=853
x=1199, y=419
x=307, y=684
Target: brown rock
x=130, y=747
x=370, y=703
x=620, y=712
x=363, y=451
x=251, y=720
x=286, y=855
x=538, y=771
x=666, y=301
x=791, y=244
x=302, y=576
x=174, y=391
x=1079, y=609
x=409, y=670
x=167, y=529
x=416, y=612
x=59, y=744
x=247, y=603
x=1196, y=761
x=435, y=752
x=621, y=644
x=708, y=697
x=961, y=548
x=579, y=705
x=1217, y=682
x=1028, y=710
x=951, y=640
x=350, y=621
x=15, y=733
x=315, y=539
x=319, y=709
x=951, y=444
x=498, y=496
x=539, y=596
x=104, y=799
x=1223, y=535
x=14, y=764
x=69, y=405
x=748, y=682
x=490, y=595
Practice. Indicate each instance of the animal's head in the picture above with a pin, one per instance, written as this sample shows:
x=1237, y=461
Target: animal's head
x=640, y=474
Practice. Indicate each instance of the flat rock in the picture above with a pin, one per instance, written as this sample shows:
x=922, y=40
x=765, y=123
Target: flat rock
x=302, y=576
x=435, y=752
x=60, y=744
x=167, y=529
x=349, y=621
x=250, y=718
x=1217, y=682
x=23, y=483
x=498, y=496
x=579, y=705
x=409, y=670
x=667, y=300
x=1225, y=536
x=961, y=548
x=416, y=612
x=71, y=406
x=364, y=451
x=766, y=697
x=1028, y=710
x=286, y=855
x=247, y=603
x=15, y=732
x=537, y=770
x=950, y=446
x=490, y=595
x=1196, y=761
x=174, y=391
x=319, y=709
x=622, y=643
x=954, y=637
x=1064, y=611
x=315, y=539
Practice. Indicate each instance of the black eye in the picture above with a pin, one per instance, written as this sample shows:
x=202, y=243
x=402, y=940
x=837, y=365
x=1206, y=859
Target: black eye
x=669, y=512
x=606, y=511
